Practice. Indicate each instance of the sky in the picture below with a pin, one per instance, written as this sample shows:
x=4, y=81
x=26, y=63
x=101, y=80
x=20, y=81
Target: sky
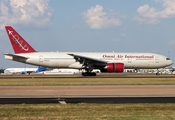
x=89, y=26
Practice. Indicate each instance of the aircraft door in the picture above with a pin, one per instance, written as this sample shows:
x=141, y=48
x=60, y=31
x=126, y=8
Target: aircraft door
x=129, y=60
x=40, y=58
x=157, y=59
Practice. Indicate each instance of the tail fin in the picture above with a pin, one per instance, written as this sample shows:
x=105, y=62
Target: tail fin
x=40, y=69
x=18, y=43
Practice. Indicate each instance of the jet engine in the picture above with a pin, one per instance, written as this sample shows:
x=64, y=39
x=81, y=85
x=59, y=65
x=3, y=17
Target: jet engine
x=113, y=67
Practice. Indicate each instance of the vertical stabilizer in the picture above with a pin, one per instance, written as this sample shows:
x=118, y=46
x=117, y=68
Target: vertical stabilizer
x=18, y=43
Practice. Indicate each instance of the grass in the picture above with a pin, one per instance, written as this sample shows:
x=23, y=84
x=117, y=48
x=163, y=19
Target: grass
x=87, y=81
x=89, y=111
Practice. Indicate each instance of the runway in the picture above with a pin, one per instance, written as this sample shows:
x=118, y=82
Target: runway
x=89, y=90
x=88, y=94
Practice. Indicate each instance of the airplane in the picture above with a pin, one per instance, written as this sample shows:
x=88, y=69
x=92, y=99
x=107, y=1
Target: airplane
x=26, y=70
x=104, y=61
x=20, y=70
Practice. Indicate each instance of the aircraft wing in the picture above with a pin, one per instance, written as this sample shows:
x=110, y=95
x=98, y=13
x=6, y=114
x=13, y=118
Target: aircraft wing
x=16, y=56
x=88, y=60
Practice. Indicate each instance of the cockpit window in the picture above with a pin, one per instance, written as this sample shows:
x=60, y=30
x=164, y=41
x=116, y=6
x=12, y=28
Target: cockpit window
x=167, y=58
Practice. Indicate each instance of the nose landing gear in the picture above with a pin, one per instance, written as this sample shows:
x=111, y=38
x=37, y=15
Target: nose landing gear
x=157, y=73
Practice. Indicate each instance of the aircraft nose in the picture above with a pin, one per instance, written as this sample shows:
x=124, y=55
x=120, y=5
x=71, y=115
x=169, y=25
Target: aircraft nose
x=171, y=62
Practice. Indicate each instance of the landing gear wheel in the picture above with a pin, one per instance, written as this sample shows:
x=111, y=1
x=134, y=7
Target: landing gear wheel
x=94, y=74
x=157, y=74
x=88, y=74
x=83, y=73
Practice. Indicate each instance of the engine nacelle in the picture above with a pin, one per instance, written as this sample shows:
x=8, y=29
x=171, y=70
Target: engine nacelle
x=114, y=67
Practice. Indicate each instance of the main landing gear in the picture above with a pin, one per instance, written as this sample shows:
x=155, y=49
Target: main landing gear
x=88, y=74
x=157, y=73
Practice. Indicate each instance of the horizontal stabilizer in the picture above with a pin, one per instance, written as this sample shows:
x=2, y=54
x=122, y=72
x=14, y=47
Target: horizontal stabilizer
x=17, y=56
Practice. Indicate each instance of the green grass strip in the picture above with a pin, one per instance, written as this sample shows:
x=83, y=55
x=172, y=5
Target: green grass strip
x=89, y=111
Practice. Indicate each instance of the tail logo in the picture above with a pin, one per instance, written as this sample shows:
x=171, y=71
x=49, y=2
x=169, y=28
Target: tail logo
x=17, y=41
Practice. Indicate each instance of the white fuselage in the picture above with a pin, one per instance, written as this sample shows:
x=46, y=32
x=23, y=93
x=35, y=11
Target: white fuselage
x=19, y=70
x=63, y=60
